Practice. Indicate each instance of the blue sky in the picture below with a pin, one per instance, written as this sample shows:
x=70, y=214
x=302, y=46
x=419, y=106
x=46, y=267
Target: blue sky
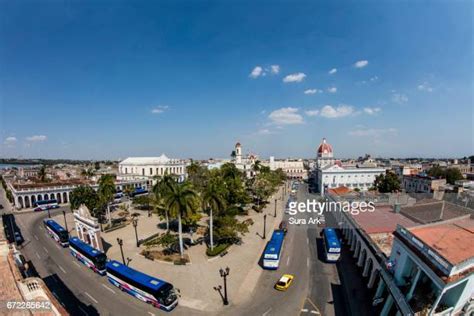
x=110, y=79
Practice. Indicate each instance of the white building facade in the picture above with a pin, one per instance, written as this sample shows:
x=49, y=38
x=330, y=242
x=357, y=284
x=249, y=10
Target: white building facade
x=293, y=168
x=134, y=168
x=329, y=173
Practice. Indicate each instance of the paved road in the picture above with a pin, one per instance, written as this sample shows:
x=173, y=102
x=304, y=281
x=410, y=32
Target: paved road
x=316, y=289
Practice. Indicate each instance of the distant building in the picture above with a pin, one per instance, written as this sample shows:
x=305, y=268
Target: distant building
x=26, y=194
x=330, y=173
x=422, y=183
x=244, y=163
x=148, y=168
x=293, y=168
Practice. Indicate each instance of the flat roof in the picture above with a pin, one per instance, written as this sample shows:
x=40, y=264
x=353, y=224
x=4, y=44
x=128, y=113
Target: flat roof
x=453, y=240
x=382, y=220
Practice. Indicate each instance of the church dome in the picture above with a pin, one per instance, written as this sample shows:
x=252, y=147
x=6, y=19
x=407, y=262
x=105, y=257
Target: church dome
x=324, y=148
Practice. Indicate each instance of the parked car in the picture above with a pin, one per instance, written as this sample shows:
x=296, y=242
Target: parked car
x=18, y=238
x=38, y=209
x=284, y=282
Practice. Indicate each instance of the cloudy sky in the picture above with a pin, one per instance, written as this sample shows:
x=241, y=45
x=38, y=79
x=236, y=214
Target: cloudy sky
x=102, y=79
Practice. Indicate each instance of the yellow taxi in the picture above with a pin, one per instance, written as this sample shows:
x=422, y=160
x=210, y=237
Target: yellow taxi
x=284, y=283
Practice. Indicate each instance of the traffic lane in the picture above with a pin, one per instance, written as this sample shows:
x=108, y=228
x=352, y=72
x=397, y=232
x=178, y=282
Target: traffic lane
x=325, y=290
x=86, y=285
x=267, y=301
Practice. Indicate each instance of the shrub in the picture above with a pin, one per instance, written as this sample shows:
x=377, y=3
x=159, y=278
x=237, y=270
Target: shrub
x=217, y=250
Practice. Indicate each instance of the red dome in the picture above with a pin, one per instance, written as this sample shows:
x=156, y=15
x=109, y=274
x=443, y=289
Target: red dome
x=324, y=148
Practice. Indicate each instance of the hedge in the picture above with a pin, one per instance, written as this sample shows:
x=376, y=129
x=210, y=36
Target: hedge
x=217, y=250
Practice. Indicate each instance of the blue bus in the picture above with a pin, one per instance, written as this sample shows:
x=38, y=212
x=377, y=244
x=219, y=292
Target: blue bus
x=332, y=245
x=153, y=291
x=57, y=232
x=89, y=256
x=138, y=192
x=272, y=253
x=46, y=204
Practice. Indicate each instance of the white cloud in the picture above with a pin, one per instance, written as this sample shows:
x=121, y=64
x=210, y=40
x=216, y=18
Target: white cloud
x=332, y=90
x=286, y=116
x=275, y=69
x=159, y=109
x=372, y=132
x=374, y=78
x=36, y=138
x=313, y=91
x=372, y=111
x=342, y=110
x=399, y=98
x=296, y=77
x=361, y=63
x=264, y=131
x=425, y=86
x=312, y=112
x=332, y=71
x=10, y=141
x=256, y=72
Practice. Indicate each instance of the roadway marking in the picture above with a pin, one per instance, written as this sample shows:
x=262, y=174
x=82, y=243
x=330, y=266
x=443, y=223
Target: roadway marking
x=62, y=269
x=77, y=264
x=85, y=313
x=304, y=310
x=45, y=249
x=108, y=288
x=307, y=240
x=57, y=246
x=307, y=262
x=151, y=313
x=36, y=237
x=88, y=295
x=41, y=227
x=266, y=313
x=288, y=261
x=315, y=312
x=38, y=255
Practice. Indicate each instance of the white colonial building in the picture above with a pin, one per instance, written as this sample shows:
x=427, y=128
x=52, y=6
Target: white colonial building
x=148, y=168
x=331, y=173
x=293, y=168
x=244, y=163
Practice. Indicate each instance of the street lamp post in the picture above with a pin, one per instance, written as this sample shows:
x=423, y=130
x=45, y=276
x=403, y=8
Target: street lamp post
x=49, y=213
x=65, y=222
x=264, y=225
x=275, y=208
x=224, y=273
x=120, y=242
x=135, y=224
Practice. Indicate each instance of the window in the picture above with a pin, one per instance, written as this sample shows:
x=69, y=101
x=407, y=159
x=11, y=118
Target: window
x=151, y=171
x=143, y=171
x=126, y=170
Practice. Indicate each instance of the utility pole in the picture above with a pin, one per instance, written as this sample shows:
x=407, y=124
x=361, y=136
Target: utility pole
x=120, y=242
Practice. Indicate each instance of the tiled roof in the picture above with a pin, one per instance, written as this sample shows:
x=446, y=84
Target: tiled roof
x=453, y=240
x=382, y=220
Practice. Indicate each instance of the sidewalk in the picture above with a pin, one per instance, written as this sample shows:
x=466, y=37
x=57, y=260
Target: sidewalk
x=197, y=280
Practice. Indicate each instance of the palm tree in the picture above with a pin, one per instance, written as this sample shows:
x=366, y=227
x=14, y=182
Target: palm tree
x=106, y=191
x=87, y=173
x=160, y=190
x=213, y=199
x=42, y=174
x=181, y=201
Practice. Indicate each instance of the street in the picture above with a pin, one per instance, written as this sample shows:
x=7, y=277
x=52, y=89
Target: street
x=316, y=290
